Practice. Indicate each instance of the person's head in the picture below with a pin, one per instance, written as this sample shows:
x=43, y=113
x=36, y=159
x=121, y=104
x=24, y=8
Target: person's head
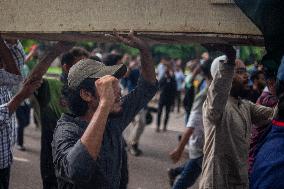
x=205, y=66
x=165, y=60
x=240, y=82
x=82, y=95
x=192, y=64
x=112, y=59
x=205, y=56
x=258, y=79
x=240, y=85
x=73, y=56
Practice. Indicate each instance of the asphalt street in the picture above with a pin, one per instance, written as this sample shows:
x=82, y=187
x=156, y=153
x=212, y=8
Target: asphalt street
x=148, y=171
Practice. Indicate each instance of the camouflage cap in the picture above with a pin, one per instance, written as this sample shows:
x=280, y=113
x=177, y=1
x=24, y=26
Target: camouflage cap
x=88, y=68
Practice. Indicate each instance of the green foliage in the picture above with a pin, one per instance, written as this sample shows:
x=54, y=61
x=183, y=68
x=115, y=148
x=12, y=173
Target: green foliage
x=249, y=54
x=178, y=51
x=184, y=52
x=27, y=44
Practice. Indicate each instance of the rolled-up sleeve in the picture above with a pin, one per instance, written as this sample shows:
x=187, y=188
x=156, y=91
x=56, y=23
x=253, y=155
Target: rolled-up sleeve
x=71, y=159
x=137, y=99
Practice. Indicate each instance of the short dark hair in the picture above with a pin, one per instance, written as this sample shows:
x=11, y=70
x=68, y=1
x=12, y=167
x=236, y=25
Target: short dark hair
x=111, y=59
x=76, y=104
x=69, y=57
x=255, y=75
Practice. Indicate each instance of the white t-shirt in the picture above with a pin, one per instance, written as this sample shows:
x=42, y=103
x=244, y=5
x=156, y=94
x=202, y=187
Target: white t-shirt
x=196, y=140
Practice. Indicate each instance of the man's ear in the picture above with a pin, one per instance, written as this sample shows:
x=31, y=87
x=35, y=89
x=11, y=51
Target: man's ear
x=85, y=95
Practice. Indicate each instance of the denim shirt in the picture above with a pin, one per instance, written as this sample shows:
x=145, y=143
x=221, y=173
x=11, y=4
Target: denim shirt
x=75, y=168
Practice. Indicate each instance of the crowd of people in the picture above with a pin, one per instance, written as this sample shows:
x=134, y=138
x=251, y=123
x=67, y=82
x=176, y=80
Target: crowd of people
x=96, y=110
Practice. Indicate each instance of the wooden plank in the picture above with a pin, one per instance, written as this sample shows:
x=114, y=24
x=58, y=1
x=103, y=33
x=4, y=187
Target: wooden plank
x=85, y=19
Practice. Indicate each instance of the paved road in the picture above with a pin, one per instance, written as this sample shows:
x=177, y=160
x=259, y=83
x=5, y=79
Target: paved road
x=146, y=172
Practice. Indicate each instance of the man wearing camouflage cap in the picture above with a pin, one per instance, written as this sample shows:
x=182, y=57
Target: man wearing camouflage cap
x=87, y=144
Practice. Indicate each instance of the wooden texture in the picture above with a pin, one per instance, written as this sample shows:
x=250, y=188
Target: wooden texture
x=180, y=21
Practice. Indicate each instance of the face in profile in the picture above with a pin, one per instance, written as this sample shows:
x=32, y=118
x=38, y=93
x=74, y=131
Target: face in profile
x=240, y=85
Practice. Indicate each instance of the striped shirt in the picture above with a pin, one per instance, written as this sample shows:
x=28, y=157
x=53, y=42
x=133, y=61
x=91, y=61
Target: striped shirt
x=7, y=121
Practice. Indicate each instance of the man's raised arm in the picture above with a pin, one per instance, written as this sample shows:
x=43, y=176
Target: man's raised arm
x=219, y=90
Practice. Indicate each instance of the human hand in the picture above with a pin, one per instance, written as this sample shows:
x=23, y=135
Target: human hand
x=105, y=90
x=227, y=49
x=176, y=155
x=29, y=87
x=130, y=40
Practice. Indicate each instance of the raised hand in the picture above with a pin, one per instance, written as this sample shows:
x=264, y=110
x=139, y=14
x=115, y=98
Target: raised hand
x=130, y=40
x=225, y=48
x=105, y=88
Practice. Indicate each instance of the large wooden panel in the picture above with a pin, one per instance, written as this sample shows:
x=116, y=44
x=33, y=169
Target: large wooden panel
x=168, y=19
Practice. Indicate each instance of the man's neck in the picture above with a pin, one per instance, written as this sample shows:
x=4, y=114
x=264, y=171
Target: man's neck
x=88, y=116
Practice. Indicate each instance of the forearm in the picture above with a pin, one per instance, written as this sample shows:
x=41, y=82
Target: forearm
x=93, y=136
x=8, y=61
x=147, y=66
x=15, y=102
x=219, y=89
x=42, y=67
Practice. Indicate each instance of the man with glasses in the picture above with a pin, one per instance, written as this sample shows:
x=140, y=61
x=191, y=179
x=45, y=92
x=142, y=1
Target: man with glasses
x=227, y=120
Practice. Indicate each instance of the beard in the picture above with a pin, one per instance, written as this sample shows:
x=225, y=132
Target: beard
x=239, y=90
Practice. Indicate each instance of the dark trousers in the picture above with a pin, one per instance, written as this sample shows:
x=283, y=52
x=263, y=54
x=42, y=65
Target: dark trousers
x=178, y=100
x=160, y=110
x=23, y=118
x=188, y=173
x=47, y=171
x=4, y=178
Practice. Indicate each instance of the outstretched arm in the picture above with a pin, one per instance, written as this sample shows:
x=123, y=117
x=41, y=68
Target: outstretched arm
x=48, y=58
x=219, y=90
x=147, y=63
x=147, y=84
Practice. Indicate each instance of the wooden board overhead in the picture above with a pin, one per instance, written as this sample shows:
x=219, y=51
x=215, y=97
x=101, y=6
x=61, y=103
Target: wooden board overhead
x=169, y=21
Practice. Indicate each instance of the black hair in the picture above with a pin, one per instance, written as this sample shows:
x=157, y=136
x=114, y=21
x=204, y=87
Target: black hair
x=205, y=66
x=69, y=57
x=255, y=75
x=76, y=104
x=111, y=59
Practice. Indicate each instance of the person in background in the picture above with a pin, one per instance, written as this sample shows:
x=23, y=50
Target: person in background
x=10, y=76
x=52, y=102
x=23, y=111
x=115, y=59
x=227, y=121
x=268, y=98
x=194, y=136
x=189, y=87
x=179, y=80
x=168, y=87
x=258, y=84
x=268, y=167
x=137, y=126
x=162, y=67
